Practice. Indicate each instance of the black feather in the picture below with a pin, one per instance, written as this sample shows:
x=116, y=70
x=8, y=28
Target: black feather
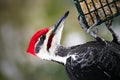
x=94, y=61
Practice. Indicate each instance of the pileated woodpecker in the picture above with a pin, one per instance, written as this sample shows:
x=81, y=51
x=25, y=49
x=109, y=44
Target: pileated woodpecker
x=95, y=60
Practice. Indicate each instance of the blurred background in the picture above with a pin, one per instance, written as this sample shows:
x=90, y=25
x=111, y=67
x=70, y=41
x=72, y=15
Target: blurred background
x=20, y=19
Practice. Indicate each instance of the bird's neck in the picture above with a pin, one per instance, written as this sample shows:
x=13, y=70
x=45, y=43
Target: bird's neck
x=62, y=53
x=59, y=54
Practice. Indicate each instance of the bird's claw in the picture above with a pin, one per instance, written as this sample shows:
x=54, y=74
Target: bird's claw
x=90, y=30
x=95, y=31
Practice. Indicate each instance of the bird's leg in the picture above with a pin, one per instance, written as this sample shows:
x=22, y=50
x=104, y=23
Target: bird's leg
x=89, y=30
x=109, y=26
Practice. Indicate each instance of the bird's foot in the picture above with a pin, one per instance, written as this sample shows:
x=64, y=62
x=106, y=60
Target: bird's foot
x=90, y=30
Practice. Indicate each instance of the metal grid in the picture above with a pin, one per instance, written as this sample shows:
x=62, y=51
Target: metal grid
x=92, y=10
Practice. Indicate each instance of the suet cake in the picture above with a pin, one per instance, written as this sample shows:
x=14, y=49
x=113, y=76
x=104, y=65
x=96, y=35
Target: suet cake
x=102, y=8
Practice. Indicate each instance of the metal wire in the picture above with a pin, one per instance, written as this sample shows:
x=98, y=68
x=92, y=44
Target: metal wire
x=97, y=12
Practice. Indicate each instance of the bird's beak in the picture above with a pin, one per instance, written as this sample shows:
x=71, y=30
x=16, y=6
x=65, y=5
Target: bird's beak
x=60, y=22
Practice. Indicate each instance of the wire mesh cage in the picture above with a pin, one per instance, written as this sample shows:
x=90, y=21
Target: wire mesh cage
x=102, y=10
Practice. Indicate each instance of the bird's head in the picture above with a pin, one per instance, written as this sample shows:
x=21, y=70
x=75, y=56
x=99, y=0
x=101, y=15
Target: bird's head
x=45, y=41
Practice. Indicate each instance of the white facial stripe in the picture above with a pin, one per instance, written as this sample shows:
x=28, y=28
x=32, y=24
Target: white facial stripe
x=56, y=40
x=37, y=42
x=44, y=54
x=54, y=58
x=47, y=56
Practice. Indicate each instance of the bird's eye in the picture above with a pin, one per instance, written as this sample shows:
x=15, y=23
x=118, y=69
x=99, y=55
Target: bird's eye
x=43, y=37
x=39, y=43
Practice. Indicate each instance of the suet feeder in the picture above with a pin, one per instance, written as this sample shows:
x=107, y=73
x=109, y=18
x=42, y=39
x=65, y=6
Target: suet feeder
x=92, y=10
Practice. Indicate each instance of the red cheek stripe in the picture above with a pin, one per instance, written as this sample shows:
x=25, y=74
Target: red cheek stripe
x=49, y=41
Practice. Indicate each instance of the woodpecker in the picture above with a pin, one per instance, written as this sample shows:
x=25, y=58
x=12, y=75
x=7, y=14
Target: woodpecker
x=89, y=61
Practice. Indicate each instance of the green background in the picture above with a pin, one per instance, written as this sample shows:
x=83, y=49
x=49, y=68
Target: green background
x=20, y=19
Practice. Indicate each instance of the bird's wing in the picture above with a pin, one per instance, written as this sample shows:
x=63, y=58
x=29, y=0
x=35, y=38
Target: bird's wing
x=93, y=61
x=82, y=69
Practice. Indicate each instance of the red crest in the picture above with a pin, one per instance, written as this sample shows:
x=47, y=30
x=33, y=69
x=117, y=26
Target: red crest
x=34, y=39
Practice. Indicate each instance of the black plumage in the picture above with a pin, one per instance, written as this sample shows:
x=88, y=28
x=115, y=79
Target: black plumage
x=92, y=61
